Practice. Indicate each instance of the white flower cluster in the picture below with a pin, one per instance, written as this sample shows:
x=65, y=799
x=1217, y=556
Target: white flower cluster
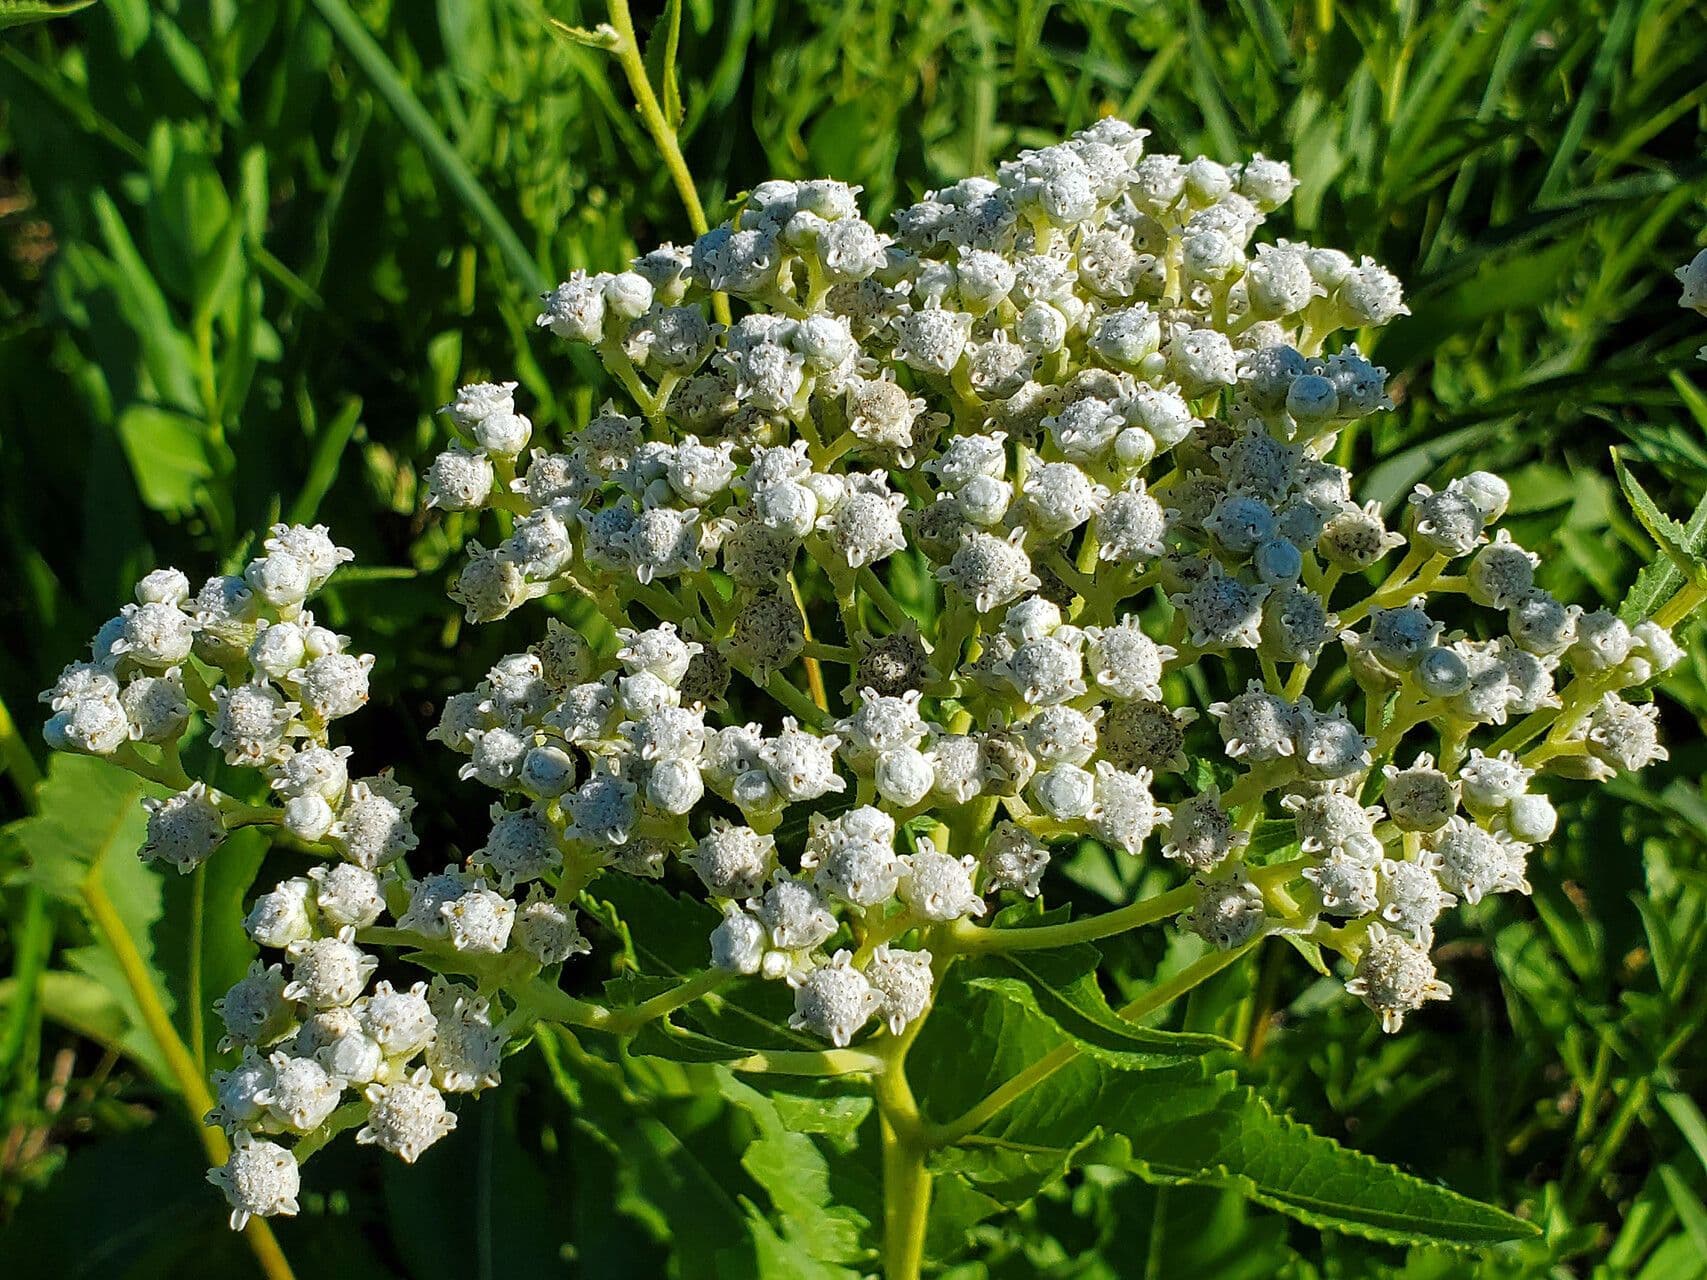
x=1086, y=401
x=246, y=654
x=1046, y=471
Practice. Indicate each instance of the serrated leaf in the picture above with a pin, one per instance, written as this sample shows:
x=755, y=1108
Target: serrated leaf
x=1660, y=580
x=1061, y=988
x=1182, y=1126
x=671, y=932
x=87, y=811
x=680, y=1182
x=1172, y=1125
x=1224, y=1134
x=1682, y=546
x=90, y=824
x=797, y=1177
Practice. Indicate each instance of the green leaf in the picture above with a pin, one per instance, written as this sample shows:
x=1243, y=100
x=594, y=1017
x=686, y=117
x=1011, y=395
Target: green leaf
x=603, y=36
x=797, y=1177
x=668, y=935
x=1061, y=987
x=17, y=13
x=506, y=1192
x=193, y=235
x=1174, y=1125
x=836, y=1114
x=421, y=126
x=663, y=1039
x=198, y=945
x=168, y=455
x=1185, y=1126
x=1684, y=546
x=89, y=815
x=78, y=1003
x=674, y=1175
x=1217, y=1132
x=132, y=1204
x=1668, y=534
x=662, y=47
x=329, y=445
x=90, y=824
x=167, y=354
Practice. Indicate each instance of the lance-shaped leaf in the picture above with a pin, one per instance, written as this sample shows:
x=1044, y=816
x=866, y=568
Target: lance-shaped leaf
x=1684, y=548
x=1182, y=1124
x=1061, y=987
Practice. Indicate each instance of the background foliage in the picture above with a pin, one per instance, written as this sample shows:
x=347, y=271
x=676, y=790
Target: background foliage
x=249, y=247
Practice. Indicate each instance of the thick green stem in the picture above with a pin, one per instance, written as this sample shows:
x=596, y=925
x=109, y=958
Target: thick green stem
x=906, y=1203
x=906, y=1181
x=1688, y=599
x=891, y=607
x=811, y=1062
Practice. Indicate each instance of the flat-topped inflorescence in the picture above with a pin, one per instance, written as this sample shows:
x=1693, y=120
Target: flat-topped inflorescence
x=1016, y=466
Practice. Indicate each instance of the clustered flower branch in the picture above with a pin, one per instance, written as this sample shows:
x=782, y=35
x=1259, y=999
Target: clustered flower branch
x=1044, y=474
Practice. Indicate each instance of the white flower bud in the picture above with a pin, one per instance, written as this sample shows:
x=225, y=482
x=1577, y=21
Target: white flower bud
x=1229, y=911
x=347, y=895
x=302, y=1094
x=183, y=829
x=154, y=635
x=401, y=1023
x=328, y=972
x=407, y=1117
x=282, y=915
x=1411, y=897
x=738, y=943
x=798, y=918
x=260, y=1180
x=904, y=981
x=834, y=1000
x=1395, y=977
x=255, y=1011
x=479, y=920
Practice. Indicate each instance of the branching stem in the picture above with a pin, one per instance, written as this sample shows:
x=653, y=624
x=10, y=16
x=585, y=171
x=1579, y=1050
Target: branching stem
x=972, y=938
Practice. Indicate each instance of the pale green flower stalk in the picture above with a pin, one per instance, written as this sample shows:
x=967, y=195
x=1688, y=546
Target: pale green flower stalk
x=1007, y=471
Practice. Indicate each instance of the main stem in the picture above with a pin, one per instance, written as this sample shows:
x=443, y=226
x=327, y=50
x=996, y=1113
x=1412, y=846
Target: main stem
x=906, y=1181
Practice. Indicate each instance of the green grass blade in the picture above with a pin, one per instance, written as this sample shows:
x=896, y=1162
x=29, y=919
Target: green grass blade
x=425, y=131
